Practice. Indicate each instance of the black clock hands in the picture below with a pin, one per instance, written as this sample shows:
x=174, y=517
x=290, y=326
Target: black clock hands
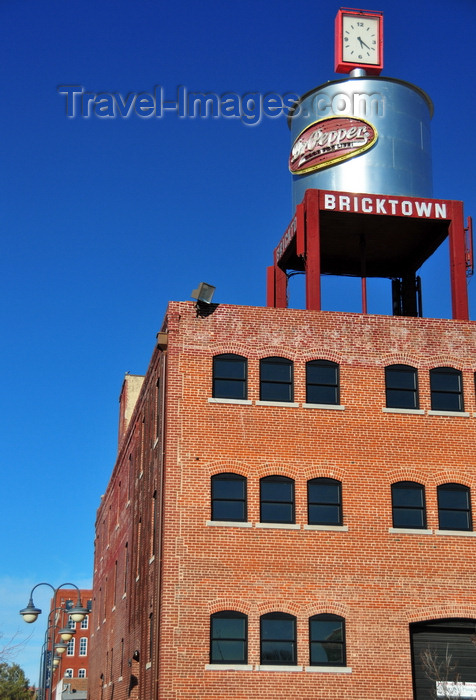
x=362, y=43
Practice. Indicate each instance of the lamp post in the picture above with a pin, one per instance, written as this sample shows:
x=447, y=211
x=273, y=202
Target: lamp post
x=51, y=651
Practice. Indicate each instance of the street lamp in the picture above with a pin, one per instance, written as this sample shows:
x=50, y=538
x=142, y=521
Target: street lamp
x=51, y=651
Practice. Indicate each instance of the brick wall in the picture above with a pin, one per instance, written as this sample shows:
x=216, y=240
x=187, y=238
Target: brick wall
x=379, y=581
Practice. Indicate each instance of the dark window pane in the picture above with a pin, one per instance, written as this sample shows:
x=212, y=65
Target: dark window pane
x=228, y=651
x=278, y=629
x=452, y=498
x=322, y=382
x=228, y=635
x=326, y=630
x=324, y=515
x=322, y=394
x=228, y=497
x=454, y=508
x=327, y=640
x=408, y=496
x=445, y=380
x=228, y=510
x=402, y=378
x=324, y=502
x=276, y=376
x=281, y=491
x=445, y=402
x=401, y=386
x=321, y=374
x=229, y=376
x=277, y=513
x=408, y=505
x=227, y=389
x=224, y=487
x=277, y=652
x=446, y=389
x=405, y=517
x=324, y=492
x=401, y=399
x=454, y=520
x=327, y=654
x=226, y=627
x=276, y=370
x=276, y=392
x=230, y=369
x=278, y=639
x=277, y=500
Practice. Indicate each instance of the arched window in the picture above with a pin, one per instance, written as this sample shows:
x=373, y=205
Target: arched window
x=446, y=386
x=82, y=673
x=278, y=639
x=228, y=497
x=83, y=646
x=68, y=673
x=324, y=501
x=276, y=499
x=408, y=505
x=228, y=638
x=401, y=387
x=70, y=647
x=327, y=640
x=454, y=507
x=230, y=376
x=276, y=379
x=322, y=382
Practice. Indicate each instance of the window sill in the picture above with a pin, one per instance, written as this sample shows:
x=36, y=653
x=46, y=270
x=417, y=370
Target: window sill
x=277, y=403
x=228, y=667
x=331, y=406
x=277, y=667
x=227, y=523
x=239, y=402
x=410, y=411
x=410, y=530
x=328, y=669
x=279, y=526
x=461, y=533
x=328, y=528
x=451, y=414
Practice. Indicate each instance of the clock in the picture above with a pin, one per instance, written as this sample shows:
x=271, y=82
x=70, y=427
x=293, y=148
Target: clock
x=359, y=41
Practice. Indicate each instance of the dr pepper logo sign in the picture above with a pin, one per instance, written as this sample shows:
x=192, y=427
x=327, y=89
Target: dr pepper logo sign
x=329, y=141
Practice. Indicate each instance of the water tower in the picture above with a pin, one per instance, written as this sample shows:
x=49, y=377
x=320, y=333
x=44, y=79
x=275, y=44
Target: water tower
x=360, y=162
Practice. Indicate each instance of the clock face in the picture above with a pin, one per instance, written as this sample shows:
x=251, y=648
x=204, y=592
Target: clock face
x=360, y=39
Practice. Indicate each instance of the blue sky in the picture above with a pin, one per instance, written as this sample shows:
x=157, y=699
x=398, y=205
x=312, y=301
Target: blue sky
x=105, y=220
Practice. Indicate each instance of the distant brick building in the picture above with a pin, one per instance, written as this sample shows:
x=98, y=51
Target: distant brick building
x=72, y=672
x=291, y=499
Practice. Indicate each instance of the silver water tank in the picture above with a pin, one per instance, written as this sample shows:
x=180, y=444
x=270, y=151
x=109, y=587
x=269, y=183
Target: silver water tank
x=398, y=114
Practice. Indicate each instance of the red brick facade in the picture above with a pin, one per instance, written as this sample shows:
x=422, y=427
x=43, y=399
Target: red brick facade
x=73, y=668
x=162, y=566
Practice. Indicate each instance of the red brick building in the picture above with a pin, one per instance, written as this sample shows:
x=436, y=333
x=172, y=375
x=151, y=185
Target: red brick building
x=329, y=507
x=71, y=675
x=290, y=516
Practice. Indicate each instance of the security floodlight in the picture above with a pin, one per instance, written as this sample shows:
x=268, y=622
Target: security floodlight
x=204, y=293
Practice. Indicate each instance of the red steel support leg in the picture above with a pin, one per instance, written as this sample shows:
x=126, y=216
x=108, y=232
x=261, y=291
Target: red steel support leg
x=313, y=253
x=459, y=290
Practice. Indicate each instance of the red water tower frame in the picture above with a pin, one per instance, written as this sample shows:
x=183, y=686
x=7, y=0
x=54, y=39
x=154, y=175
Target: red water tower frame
x=370, y=235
